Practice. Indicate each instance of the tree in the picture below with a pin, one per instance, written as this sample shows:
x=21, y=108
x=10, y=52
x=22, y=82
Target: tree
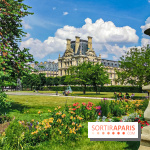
x=56, y=81
x=31, y=80
x=62, y=80
x=87, y=74
x=99, y=76
x=80, y=75
x=50, y=81
x=135, y=67
x=13, y=60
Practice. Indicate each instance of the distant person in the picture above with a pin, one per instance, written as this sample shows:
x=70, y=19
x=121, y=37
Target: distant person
x=120, y=95
x=115, y=95
x=127, y=95
x=132, y=96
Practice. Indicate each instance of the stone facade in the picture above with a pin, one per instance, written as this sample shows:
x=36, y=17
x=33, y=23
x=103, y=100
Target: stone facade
x=76, y=52
x=81, y=50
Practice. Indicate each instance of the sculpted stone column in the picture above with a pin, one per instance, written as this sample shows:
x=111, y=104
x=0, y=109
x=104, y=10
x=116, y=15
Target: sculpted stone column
x=145, y=136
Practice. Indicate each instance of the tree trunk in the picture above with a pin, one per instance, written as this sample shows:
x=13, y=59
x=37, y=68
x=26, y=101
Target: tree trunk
x=84, y=90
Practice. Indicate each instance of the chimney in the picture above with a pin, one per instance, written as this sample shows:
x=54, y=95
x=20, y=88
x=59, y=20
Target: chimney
x=77, y=43
x=68, y=44
x=89, y=42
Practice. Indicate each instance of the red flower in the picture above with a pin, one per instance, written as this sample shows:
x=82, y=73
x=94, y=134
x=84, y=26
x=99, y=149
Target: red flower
x=140, y=115
x=99, y=114
x=74, y=104
x=84, y=104
x=141, y=127
x=78, y=107
x=74, y=109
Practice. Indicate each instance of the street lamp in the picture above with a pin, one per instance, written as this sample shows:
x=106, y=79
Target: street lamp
x=147, y=32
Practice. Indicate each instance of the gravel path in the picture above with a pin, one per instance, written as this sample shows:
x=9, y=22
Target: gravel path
x=52, y=94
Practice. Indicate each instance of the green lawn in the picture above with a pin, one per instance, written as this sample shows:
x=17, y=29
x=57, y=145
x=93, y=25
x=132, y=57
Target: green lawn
x=26, y=108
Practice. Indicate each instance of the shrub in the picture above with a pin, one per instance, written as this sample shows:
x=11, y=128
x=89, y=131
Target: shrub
x=4, y=102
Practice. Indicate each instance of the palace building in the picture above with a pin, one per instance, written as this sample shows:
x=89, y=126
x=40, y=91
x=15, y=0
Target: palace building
x=76, y=52
x=82, y=50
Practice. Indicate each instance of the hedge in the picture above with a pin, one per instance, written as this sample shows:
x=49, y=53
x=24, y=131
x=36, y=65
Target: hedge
x=131, y=89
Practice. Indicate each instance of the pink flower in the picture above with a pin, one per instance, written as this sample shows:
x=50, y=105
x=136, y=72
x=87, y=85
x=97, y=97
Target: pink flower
x=84, y=104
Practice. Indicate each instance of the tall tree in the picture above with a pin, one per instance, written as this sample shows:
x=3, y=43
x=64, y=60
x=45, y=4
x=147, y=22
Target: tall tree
x=13, y=60
x=99, y=76
x=50, y=81
x=135, y=67
x=87, y=74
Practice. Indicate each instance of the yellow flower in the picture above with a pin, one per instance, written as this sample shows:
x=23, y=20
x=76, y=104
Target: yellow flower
x=70, y=131
x=20, y=122
x=46, y=134
x=71, y=117
x=27, y=111
x=49, y=111
x=39, y=112
x=32, y=120
x=59, y=107
x=73, y=123
x=63, y=116
x=3, y=134
x=60, y=132
x=55, y=108
x=59, y=120
x=79, y=126
x=62, y=124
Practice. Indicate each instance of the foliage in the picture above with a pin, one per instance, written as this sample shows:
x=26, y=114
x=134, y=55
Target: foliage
x=4, y=118
x=4, y=102
x=15, y=60
x=102, y=89
x=49, y=81
x=99, y=76
x=87, y=111
x=87, y=74
x=60, y=126
x=135, y=67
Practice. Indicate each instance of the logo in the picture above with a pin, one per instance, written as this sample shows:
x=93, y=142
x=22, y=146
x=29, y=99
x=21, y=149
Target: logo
x=114, y=131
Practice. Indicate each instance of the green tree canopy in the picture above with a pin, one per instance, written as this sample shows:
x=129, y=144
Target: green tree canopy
x=13, y=60
x=87, y=74
x=135, y=67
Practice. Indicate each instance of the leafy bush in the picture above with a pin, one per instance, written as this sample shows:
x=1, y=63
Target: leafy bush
x=60, y=126
x=4, y=102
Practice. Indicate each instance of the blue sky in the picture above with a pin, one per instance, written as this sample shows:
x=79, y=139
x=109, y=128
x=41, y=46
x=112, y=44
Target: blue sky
x=115, y=25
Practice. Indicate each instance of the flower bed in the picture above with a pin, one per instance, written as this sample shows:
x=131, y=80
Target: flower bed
x=64, y=124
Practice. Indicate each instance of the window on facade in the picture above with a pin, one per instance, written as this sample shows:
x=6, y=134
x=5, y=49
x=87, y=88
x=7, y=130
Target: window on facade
x=111, y=82
x=65, y=72
x=61, y=72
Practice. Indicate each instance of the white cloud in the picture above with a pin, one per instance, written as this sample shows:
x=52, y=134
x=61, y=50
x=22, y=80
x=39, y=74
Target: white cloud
x=104, y=55
x=51, y=60
x=147, y=25
x=26, y=25
x=145, y=42
x=54, y=8
x=115, y=58
x=106, y=36
x=27, y=35
x=65, y=13
x=149, y=1
x=40, y=50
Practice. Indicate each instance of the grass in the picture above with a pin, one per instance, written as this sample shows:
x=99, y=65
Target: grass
x=26, y=108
